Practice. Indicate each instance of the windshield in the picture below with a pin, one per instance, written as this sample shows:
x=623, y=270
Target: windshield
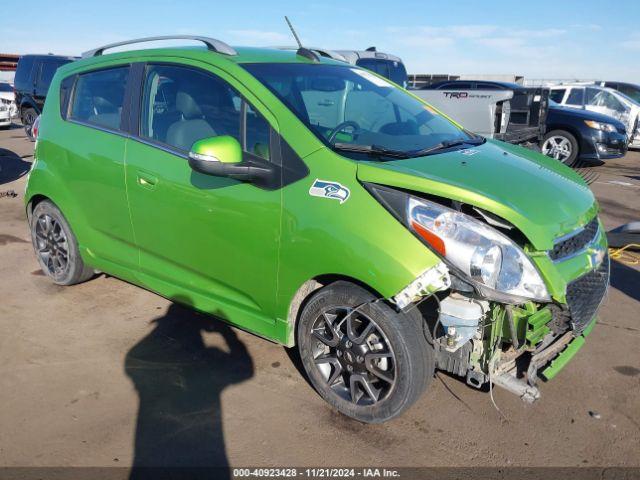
x=5, y=87
x=344, y=105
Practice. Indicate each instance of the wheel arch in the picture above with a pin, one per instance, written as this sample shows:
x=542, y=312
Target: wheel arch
x=32, y=202
x=306, y=291
x=566, y=128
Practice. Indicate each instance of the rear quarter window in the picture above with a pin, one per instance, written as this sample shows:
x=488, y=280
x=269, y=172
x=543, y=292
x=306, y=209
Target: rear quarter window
x=23, y=73
x=557, y=94
x=98, y=97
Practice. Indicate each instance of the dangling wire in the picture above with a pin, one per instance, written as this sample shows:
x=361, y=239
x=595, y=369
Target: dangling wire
x=624, y=256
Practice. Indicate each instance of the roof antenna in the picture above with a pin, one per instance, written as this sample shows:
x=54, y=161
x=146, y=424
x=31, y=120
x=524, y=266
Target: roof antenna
x=303, y=52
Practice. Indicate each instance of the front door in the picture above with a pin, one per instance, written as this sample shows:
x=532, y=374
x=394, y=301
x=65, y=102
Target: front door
x=207, y=241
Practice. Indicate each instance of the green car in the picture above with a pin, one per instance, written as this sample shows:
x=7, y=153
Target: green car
x=318, y=205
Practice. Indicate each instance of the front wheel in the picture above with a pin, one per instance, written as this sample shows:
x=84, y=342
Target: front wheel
x=562, y=146
x=366, y=360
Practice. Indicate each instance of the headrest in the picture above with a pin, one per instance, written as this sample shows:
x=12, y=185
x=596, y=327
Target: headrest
x=187, y=106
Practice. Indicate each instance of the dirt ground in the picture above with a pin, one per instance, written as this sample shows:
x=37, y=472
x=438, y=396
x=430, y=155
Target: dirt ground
x=96, y=374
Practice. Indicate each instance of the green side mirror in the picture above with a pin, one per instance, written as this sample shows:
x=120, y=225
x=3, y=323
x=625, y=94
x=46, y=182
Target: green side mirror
x=222, y=149
x=222, y=157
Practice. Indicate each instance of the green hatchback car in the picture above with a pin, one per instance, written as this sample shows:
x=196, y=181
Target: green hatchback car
x=318, y=205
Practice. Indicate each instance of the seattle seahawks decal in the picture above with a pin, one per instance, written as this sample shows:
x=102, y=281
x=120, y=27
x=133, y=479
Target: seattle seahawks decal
x=326, y=189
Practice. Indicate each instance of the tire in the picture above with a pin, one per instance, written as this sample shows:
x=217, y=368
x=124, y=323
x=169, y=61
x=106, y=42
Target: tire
x=562, y=146
x=56, y=247
x=394, y=347
x=28, y=117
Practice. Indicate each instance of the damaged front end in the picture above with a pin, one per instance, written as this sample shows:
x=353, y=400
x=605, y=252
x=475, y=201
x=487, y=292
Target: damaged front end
x=486, y=306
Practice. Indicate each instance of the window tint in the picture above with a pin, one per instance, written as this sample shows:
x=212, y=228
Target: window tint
x=381, y=67
x=557, y=94
x=98, y=97
x=576, y=96
x=183, y=105
x=398, y=73
x=47, y=71
x=23, y=72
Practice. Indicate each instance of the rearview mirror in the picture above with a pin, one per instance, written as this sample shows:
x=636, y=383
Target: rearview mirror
x=222, y=156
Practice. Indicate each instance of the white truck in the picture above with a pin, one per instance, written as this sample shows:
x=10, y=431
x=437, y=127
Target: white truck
x=501, y=110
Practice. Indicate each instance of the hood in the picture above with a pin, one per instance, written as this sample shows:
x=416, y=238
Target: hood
x=8, y=96
x=541, y=197
x=584, y=114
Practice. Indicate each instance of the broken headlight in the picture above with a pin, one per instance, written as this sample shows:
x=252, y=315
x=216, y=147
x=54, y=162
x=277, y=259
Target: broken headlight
x=495, y=264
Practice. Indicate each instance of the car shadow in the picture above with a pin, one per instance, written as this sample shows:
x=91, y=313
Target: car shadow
x=12, y=166
x=625, y=279
x=179, y=381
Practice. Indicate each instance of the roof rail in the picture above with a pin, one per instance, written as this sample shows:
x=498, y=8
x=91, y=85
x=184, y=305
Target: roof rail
x=211, y=43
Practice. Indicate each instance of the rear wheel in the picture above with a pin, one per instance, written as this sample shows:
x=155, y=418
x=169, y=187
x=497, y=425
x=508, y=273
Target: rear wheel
x=562, y=146
x=366, y=360
x=28, y=119
x=56, y=247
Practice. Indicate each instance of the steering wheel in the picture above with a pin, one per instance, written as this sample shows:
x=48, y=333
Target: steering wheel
x=341, y=126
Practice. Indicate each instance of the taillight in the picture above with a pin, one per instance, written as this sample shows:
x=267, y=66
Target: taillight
x=35, y=128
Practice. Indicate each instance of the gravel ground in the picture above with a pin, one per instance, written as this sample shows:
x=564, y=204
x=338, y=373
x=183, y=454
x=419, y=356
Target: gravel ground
x=99, y=373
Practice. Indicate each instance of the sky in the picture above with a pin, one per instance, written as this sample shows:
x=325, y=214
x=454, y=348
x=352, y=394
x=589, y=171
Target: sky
x=540, y=39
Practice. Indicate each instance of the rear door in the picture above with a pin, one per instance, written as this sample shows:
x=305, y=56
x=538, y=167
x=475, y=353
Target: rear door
x=92, y=143
x=207, y=241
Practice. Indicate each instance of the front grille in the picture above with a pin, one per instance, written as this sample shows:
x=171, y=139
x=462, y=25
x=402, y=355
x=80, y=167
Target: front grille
x=585, y=294
x=577, y=242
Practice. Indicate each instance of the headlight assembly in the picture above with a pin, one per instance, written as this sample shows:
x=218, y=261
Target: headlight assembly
x=493, y=263
x=480, y=252
x=605, y=127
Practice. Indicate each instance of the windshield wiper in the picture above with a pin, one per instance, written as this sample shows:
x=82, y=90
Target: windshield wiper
x=477, y=140
x=376, y=150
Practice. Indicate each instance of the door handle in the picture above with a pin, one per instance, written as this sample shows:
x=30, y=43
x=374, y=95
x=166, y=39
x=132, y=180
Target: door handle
x=147, y=181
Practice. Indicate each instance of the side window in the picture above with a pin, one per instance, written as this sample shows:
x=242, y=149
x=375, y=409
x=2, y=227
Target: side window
x=47, y=71
x=488, y=86
x=98, y=97
x=590, y=96
x=456, y=86
x=23, y=73
x=576, y=97
x=181, y=105
x=381, y=67
x=257, y=134
x=557, y=94
x=610, y=101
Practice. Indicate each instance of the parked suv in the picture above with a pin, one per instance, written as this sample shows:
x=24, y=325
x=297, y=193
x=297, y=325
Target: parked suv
x=375, y=235
x=31, y=83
